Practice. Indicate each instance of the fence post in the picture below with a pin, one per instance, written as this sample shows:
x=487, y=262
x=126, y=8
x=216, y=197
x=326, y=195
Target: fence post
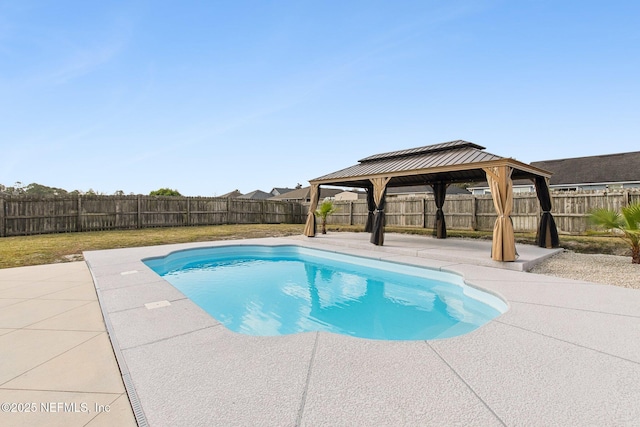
x=138, y=213
x=3, y=224
x=351, y=212
x=474, y=213
x=79, y=217
x=118, y=215
x=292, y=205
x=625, y=198
x=424, y=212
x=188, y=211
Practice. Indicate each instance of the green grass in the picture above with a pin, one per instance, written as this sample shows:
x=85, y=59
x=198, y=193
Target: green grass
x=52, y=248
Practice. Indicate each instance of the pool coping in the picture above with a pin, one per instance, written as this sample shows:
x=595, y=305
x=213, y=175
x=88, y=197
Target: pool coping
x=554, y=326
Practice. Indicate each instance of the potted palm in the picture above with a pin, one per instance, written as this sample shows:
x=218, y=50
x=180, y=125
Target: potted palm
x=326, y=208
x=625, y=225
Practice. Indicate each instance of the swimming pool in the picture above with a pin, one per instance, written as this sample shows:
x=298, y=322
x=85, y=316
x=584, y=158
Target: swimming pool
x=279, y=290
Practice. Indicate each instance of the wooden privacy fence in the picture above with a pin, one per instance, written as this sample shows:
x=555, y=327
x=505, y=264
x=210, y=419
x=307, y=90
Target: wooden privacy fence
x=570, y=210
x=30, y=215
x=21, y=216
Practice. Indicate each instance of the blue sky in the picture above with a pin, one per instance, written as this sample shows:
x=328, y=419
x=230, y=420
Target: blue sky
x=209, y=96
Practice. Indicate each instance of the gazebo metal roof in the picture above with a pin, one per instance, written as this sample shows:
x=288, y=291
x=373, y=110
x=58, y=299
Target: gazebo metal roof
x=454, y=161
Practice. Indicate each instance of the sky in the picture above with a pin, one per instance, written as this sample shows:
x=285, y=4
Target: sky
x=211, y=96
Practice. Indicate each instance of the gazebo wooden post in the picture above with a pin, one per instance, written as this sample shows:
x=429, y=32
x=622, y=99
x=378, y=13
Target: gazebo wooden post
x=310, y=226
x=504, y=242
x=371, y=207
x=379, y=191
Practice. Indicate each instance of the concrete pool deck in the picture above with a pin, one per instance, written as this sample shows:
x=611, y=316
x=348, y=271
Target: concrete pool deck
x=57, y=367
x=566, y=352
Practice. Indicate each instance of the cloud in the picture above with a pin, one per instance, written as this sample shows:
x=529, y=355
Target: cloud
x=304, y=82
x=56, y=55
x=89, y=56
x=83, y=61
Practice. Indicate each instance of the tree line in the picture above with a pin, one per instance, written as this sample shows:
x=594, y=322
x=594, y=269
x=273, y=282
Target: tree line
x=35, y=189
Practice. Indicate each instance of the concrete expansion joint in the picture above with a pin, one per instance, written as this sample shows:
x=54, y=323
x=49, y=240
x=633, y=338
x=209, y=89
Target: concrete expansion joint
x=568, y=342
x=54, y=357
x=65, y=330
x=79, y=391
x=303, y=401
x=486, y=405
x=44, y=296
x=54, y=315
x=171, y=337
x=577, y=309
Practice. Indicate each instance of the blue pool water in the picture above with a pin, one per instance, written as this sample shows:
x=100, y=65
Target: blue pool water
x=279, y=290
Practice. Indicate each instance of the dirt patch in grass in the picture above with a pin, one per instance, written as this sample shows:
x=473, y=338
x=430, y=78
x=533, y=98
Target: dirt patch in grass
x=595, y=245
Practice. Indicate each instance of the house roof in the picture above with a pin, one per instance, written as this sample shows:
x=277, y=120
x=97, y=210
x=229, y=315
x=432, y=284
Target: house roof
x=606, y=168
x=621, y=167
x=454, y=161
x=255, y=195
x=305, y=193
x=281, y=190
x=232, y=194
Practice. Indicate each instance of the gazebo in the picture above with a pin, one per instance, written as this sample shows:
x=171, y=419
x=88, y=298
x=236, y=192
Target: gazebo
x=440, y=165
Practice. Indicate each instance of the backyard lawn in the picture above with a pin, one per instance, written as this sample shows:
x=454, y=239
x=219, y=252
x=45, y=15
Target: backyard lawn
x=51, y=248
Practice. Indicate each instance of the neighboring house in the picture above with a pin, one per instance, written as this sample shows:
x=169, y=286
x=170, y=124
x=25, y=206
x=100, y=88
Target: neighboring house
x=604, y=172
x=233, y=194
x=304, y=194
x=256, y=195
x=519, y=186
x=277, y=191
x=420, y=191
x=349, y=195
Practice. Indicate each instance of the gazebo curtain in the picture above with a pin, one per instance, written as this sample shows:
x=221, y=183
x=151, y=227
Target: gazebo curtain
x=371, y=206
x=547, y=235
x=379, y=192
x=439, y=194
x=310, y=226
x=504, y=243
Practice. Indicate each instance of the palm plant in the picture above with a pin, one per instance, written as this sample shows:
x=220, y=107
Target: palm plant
x=325, y=209
x=627, y=224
